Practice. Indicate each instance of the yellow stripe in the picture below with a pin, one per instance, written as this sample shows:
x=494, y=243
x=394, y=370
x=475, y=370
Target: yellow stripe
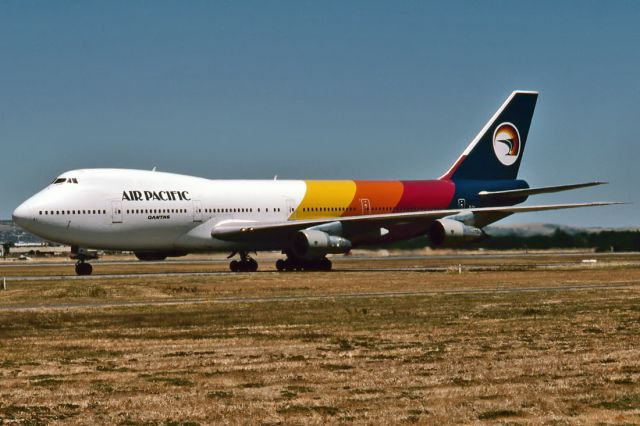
x=326, y=198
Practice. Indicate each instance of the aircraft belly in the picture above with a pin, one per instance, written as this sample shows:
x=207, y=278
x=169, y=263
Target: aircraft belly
x=122, y=236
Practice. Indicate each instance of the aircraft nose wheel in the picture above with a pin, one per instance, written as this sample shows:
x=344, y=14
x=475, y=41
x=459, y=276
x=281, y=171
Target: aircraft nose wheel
x=83, y=268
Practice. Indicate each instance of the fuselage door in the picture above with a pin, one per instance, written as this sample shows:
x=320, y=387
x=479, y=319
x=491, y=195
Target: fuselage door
x=116, y=212
x=197, y=211
x=290, y=205
x=366, y=205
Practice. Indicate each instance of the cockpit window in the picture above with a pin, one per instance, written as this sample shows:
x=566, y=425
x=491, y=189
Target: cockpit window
x=63, y=180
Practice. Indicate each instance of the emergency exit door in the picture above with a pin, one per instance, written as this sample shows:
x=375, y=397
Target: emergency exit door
x=197, y=211
x=116, y=212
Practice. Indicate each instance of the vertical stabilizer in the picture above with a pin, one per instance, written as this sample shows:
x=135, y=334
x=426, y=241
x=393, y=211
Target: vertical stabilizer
x=496, y=152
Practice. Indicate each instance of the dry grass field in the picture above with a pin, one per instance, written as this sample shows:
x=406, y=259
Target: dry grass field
x=558, y=344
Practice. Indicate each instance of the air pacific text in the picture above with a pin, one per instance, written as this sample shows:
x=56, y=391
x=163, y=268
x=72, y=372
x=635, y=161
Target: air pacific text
x=156, y=195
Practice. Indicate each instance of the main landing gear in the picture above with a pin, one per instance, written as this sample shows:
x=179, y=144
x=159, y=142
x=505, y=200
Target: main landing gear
x=292, y=263
x=245, y=264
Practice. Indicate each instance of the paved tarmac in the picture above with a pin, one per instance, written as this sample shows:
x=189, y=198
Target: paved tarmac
x=270, y=257
x=416, y=269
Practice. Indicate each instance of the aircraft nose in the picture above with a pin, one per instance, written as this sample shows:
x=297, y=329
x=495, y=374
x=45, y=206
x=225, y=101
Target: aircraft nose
x=22, y=215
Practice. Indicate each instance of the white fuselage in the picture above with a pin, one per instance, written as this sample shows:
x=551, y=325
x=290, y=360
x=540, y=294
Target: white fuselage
x=147, y=211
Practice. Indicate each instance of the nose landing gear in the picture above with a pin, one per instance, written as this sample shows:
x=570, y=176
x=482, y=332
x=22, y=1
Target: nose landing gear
x=83, y=268
x=245, y=264
x=82, y=255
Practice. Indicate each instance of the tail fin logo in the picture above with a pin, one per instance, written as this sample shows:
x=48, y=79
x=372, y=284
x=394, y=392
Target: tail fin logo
x=506, y=143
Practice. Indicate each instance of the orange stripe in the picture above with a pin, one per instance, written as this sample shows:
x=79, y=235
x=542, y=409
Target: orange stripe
x=374, y=196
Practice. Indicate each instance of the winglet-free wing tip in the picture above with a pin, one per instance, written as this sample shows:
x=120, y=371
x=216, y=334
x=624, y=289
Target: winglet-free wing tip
x=608, y=203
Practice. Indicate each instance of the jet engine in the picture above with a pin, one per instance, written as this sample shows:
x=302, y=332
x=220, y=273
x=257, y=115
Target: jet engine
x=311, y=243
x=452, y=232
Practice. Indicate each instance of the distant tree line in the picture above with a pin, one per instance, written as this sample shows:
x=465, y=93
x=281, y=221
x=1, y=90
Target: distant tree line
x=600, y=241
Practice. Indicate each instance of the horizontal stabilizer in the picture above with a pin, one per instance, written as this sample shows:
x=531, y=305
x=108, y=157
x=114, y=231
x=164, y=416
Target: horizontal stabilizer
x=517, y=193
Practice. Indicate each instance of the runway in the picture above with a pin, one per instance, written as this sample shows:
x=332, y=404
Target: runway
x=461, y=268
x=272, y=257
x=346, y=271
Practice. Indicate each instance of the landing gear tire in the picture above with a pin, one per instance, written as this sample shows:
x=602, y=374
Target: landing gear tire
x=325, y=264
x=295, y=264
x=252, y=265
x=83, y=268
x=245, y=264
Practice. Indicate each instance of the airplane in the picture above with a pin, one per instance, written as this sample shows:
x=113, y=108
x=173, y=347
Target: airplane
x=158, y=215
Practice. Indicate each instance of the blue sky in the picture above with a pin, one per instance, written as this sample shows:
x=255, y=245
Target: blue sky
x=331, y=89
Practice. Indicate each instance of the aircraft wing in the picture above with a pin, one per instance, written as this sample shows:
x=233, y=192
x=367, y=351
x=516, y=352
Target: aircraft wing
x=243, y=231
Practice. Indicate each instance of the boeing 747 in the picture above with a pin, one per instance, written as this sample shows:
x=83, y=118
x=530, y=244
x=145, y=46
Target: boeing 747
x=158, y=215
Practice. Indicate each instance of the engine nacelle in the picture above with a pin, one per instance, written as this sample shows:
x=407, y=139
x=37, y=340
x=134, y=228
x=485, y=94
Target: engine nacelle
x=452, y=232
x=310, y=243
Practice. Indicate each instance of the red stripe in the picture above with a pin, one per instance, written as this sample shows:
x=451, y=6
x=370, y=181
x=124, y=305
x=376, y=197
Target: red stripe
x=426, y=195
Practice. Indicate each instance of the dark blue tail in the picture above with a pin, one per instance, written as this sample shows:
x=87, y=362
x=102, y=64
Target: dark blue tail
x=496, y=152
